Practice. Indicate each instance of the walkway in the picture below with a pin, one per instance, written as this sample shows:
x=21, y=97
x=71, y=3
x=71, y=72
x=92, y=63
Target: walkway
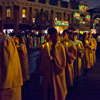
x=87, y=88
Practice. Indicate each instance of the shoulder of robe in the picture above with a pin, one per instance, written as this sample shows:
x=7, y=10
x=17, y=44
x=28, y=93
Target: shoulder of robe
x=22, y=46
x=70, y=43
x=94, y=39
x=59, y=44
x=8, y=40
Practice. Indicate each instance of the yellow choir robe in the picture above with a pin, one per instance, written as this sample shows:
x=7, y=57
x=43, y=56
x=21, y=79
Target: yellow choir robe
x=86, y=58
x=91, y=48
x=24, y=39
x=53, y=72
x=94, y=50
x=78, y=61
x=24, y=61
x=71, y=54
x=10, y=70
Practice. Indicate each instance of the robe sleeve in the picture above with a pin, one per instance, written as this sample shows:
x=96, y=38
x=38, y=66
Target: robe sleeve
x=81, y=50
x=24, y=51
x=95, y=44
x=44, y=60
x=11, y=68
x=60, y=57
x=91, y=45
x=72, y=52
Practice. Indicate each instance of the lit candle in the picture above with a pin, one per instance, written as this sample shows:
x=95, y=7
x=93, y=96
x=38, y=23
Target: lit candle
x=48, y=48
x=67, y=45
x=79, y=45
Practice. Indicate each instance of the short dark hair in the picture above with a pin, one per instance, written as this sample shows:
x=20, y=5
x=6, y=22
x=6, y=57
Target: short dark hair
x=52, y=31
x=90, y=33
x=66, y=32
x=75, y=34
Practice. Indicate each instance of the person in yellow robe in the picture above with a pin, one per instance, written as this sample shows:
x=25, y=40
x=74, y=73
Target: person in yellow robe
x=10, y=70
x=93, y=44
x=52, y=67
x=80, y=53
x=71, y=54
x=94, y=50
x=91, y=49
x=86, y=58
x=22, y=50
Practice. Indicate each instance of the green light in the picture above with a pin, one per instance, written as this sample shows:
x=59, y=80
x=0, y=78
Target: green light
x=63, y=23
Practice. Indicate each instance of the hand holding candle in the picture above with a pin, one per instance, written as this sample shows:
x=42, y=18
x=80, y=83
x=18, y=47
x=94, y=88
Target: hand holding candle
x=48, y=49
x=67, y=45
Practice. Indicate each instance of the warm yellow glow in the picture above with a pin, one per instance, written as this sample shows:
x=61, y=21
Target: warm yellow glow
x=8, y=12
x=57, y=28
x=56, y=18
x=67, y=43
x=48, y=48
x=61, y=31
x=33, y=19
x=83, y=22
x=23, y=13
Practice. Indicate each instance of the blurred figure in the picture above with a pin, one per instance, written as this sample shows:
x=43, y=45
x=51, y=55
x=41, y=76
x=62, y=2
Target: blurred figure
x=10, y=70
x=52, y=68
x=22, y=50
x=80, y=53
x=30, y=42
x=93, y=44
x=71, y=29
x=71, y=54
x=86, y=57
x=16, y=40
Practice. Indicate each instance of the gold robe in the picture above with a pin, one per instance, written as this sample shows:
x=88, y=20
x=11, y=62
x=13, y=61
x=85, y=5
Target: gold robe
x=91, y=48
x=86, y=58
x=78, y=61
x=24, y=61
x=71, y=54
x=54, y=71
x=10, y=70
x=94, y=50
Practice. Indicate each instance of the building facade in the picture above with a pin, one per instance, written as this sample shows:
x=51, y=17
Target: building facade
x=95, y=18
x=25, y=14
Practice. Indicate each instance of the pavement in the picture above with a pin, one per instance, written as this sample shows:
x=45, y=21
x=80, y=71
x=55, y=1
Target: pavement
x=85, y=88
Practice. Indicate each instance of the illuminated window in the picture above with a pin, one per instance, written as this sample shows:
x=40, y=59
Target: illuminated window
x=8, y=12
x=23, y=13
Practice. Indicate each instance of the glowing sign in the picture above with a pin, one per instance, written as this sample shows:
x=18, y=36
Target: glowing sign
x=82, y=8
x=77, y=16
x=64, y=23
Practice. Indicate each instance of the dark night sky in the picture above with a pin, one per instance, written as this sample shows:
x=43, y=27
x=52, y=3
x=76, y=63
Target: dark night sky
x=93, y=3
